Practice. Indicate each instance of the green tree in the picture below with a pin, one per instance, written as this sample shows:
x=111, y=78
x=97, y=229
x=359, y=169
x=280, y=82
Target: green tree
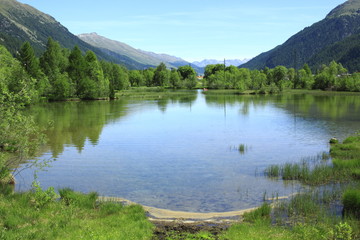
x=136, y=78
x=62, y=87
x=279, y=74
x=14, y=80
x=54, y=62
x=31, y=64
x=117, y=76
x=149, y=76
x=258, y=80
x=53, y=59
x=212, y=69
x=291, y=74
x=304, y=78
x=352, y=83
x=19, y=136
x=243, y=79
x=28, y=60
x=175, y=81
x=76, y=69
x=329, y=76
x=161, y=76
x=216, y=81
x=121, y=77
x=94, y=84
x=187, y=72
x=188, y=75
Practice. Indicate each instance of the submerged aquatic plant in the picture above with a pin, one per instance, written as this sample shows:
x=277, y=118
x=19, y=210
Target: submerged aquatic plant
x=242, y=148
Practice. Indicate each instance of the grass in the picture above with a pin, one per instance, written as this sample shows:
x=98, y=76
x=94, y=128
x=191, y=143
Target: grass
x=260, y=230
x=313, y=215
x=305, y=216
x=153, y=93
x=77, y=217
x=351, y=201
x=173, y=235
x=345, y=166
x=262, y=213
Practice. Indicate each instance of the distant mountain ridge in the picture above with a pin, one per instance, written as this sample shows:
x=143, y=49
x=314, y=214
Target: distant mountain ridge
x=147, y=58
x=228, y=62
x=118, y=47
x=341, y=23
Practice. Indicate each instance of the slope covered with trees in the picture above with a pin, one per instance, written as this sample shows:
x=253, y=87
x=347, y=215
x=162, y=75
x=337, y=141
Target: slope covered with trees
x=341, y=23
x=346, y=52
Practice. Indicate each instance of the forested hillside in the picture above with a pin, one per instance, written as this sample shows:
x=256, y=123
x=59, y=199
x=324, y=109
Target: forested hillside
x=346, y=52
x=303, y=47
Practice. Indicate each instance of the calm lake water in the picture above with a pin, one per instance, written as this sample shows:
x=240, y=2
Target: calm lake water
x=181, y=152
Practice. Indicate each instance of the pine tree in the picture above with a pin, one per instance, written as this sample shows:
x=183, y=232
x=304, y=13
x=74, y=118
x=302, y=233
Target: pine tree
x=28, y=60
x=76, y=69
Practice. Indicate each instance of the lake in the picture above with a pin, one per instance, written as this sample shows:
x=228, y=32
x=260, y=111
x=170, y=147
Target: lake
x=182, y=152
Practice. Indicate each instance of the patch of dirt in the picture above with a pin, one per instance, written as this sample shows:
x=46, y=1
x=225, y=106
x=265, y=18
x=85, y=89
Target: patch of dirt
x=181, y=230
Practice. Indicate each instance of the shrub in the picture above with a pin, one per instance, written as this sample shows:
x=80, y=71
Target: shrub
x=6, y=189
x=42, y=197
x=343, y=231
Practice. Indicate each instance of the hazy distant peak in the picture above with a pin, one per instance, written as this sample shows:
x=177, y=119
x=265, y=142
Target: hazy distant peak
x=228, y=62
x=163, y=57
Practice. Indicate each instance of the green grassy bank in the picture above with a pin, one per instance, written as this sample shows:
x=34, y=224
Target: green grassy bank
x=38, y=215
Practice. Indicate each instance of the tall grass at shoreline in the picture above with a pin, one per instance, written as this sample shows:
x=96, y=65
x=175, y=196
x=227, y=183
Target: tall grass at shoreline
x=312, y=170
x=316, y=214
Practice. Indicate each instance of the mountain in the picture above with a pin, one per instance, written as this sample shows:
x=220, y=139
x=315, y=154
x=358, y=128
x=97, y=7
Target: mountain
x=233, y=62
x=346, y=52
x=20, y=22
x=149, y=59
x=118, y=47
x=310, y=44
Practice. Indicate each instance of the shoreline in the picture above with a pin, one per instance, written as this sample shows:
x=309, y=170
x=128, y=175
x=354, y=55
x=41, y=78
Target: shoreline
x=166, y=215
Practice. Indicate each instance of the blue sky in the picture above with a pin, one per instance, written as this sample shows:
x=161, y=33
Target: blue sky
x=191, y=29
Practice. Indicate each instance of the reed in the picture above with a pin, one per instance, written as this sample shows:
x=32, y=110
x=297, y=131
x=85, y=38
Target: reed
x=351, y=201
x=273, y=171
x=242, y=148
x=261, y=213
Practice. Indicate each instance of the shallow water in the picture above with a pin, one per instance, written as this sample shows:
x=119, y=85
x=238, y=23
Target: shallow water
x=181, y=153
